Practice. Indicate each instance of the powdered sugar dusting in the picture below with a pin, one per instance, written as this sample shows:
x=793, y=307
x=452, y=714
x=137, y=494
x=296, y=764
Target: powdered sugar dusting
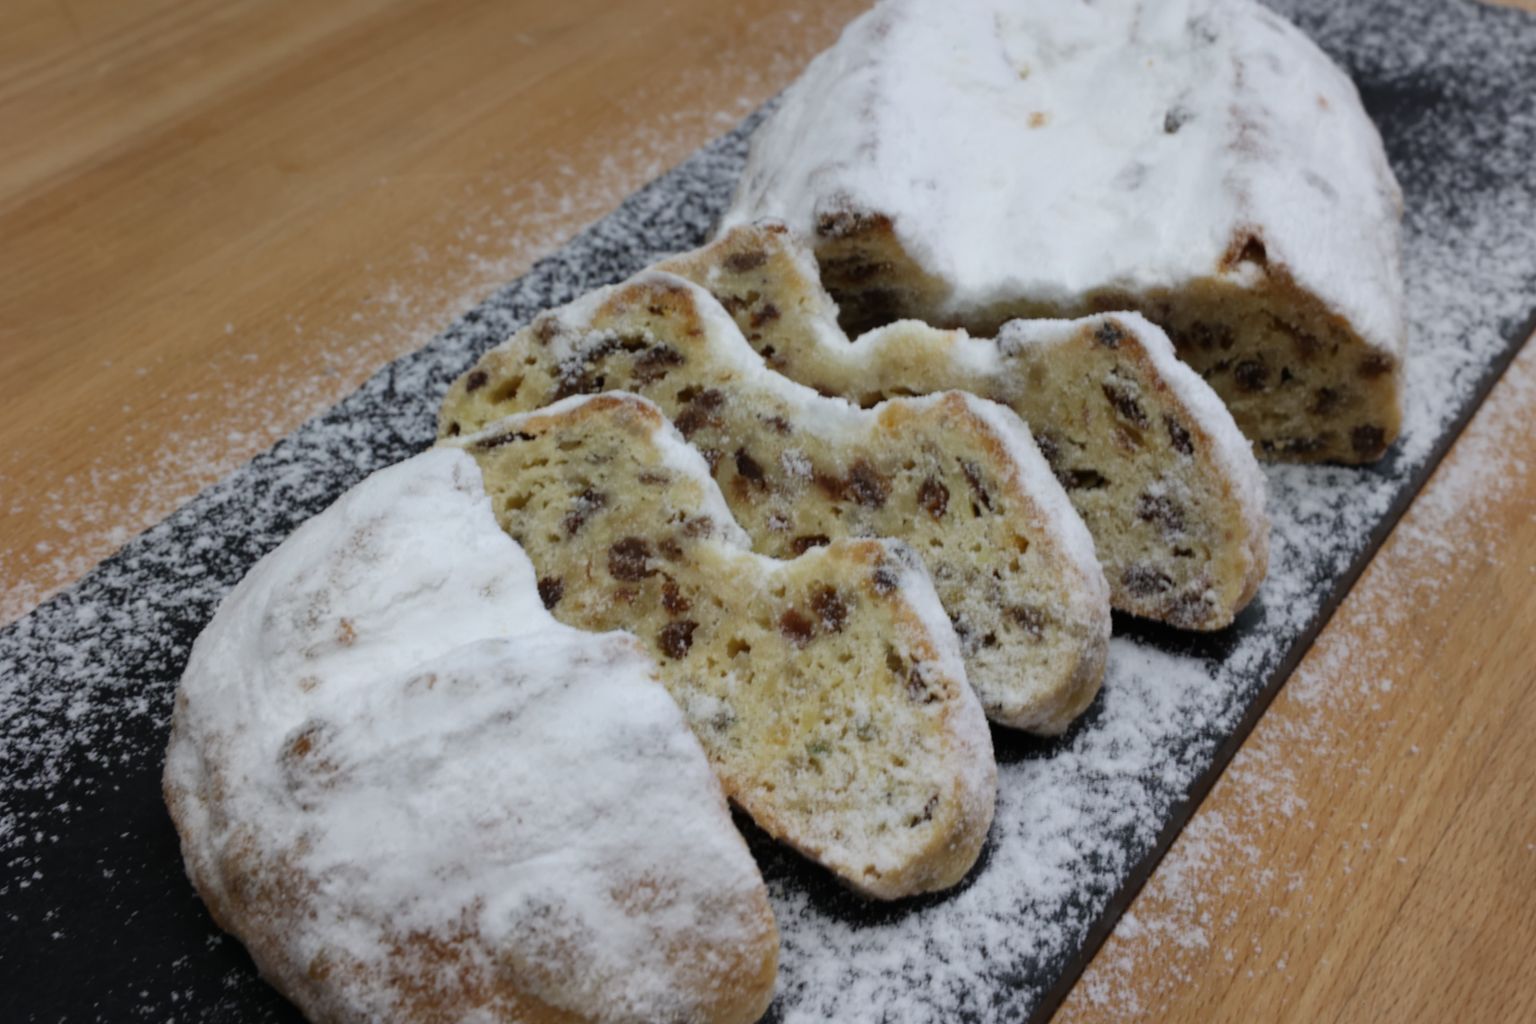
x=421, y=750
x=85, y=680
x=1045, y=150
x=1222, y=857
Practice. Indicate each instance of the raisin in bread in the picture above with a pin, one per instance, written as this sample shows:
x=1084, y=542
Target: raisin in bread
x=1146, y=451
x=956, y=477
x=968, y=163
x=415, y=796
x=828, y=691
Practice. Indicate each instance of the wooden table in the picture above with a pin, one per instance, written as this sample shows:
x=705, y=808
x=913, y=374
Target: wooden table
x=217, y=218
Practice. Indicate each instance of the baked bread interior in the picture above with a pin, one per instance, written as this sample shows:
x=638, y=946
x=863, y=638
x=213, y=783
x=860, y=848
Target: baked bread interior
x=957, y=478
x=827, y=690
x=1147, y=453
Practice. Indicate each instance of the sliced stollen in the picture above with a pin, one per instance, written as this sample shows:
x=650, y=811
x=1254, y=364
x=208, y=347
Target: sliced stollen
x=969, y=162
x=1149, y=456
x=413, y=795
x=956, y=477
x=828, y=691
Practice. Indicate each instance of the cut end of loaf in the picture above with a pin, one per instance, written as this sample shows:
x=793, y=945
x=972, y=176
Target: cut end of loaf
x=826, y=689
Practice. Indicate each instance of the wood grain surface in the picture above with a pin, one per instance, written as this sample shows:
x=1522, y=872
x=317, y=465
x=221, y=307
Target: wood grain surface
x=217, y=218
x=1370, y=854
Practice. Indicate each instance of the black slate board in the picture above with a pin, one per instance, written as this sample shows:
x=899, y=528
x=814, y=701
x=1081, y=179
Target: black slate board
x=97, y=921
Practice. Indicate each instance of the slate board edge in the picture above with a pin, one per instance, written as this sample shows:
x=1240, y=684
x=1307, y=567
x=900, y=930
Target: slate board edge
x=1178, y=818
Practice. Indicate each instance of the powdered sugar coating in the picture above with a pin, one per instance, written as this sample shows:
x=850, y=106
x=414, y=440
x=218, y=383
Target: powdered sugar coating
x=1057, y=147
x=382, y=735
x=86, y=679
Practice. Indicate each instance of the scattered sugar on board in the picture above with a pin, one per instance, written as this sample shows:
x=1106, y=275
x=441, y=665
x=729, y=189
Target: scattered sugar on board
x=1219, y=859
x=85, y=680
